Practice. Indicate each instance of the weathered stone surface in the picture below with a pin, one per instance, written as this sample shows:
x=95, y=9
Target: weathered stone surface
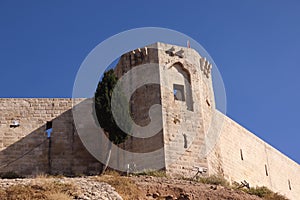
x=240, y=155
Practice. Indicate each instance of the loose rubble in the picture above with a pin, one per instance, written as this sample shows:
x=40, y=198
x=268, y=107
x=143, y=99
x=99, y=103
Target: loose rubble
x=87, y=187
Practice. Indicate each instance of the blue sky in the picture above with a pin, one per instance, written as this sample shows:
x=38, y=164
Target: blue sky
x=255, y=44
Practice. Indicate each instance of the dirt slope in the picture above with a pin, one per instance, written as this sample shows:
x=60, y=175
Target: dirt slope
x=165, y=188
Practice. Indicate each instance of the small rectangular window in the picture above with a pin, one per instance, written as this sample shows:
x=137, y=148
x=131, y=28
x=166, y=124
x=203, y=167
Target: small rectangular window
x=48, y=125
x=49, y=128
x=178, y=91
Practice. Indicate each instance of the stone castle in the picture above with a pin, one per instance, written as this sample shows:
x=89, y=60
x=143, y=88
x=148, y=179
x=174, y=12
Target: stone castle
x=193, y=132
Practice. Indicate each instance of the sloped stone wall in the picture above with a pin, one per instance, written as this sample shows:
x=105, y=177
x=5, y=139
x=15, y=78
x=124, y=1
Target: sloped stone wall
x=240, y=155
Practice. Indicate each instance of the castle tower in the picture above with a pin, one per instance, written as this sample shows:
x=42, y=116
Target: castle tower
x=184, y=90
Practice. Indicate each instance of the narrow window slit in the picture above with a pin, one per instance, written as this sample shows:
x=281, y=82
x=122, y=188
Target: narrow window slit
x=185, y=140
x=207, y=102
x=267, y=174
x=242, y=157
x=289, y=182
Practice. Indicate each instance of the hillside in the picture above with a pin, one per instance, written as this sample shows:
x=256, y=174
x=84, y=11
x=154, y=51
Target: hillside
x=113, y=186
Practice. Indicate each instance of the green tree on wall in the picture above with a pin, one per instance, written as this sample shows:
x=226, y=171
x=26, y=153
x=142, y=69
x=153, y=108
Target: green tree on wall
x=103, y=97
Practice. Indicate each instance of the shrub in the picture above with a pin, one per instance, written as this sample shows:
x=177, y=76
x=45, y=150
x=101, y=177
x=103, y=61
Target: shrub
x=214, y=180
x=259, y=191
x=265, y=193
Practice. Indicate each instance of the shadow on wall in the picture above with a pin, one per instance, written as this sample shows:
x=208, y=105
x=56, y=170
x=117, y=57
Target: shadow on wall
x=36, y=153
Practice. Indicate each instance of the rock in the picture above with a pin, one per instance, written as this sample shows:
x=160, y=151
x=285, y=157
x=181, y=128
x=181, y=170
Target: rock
x=213, y=187
x=169, y=198
x=183, y=197
x=155, y=195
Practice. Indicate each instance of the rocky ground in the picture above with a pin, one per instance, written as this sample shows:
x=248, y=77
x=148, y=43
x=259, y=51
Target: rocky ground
x=144, y=187
x=165, y=188
x=84, y=188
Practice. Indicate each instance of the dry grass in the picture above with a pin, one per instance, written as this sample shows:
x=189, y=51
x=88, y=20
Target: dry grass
x=47, y=191
x=125, y=187
x=47, y=176
x=155, y=173
x=213, y=180
x=262, y=192
x=58, y=196
x=265, y=193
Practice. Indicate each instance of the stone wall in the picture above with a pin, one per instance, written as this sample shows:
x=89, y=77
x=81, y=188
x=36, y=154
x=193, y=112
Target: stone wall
x=26, y=149
x=141, y=101
x=183, y=116
x=240, y=155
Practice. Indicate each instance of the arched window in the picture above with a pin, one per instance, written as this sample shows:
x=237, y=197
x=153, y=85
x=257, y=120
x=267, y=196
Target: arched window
x=182, y=88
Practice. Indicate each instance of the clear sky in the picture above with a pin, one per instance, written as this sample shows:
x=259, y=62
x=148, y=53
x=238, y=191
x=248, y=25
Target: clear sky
x=256, y=45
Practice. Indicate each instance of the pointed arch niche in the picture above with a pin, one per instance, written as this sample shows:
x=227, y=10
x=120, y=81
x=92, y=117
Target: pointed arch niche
x=182, y=87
